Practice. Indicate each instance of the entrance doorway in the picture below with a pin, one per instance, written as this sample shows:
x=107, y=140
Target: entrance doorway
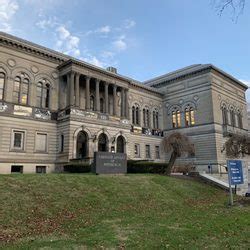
x=82, y=145
x=102, y=143
x=120, y=144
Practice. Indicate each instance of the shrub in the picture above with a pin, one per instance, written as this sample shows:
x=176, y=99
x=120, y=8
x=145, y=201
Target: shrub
x=183, y=169
x=77, y=168
x=146, y=167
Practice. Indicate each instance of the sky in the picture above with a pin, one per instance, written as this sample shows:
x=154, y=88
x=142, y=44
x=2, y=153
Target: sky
x=141, y=38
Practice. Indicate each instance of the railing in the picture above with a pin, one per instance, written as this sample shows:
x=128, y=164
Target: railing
x=147, y=131
x=229, y=130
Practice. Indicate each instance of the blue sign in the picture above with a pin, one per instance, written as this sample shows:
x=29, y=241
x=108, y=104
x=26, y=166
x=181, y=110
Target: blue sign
x=235, y=173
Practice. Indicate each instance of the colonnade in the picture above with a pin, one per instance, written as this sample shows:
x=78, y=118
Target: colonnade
x=74, y=95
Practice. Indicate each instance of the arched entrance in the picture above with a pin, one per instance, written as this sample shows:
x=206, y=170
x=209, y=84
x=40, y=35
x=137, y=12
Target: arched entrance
x=120, y=144
x=82, y=145
x=103, y=143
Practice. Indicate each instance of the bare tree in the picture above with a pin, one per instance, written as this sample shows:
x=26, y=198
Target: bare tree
x=235, y=6
x=176, y=144
x=237, y=146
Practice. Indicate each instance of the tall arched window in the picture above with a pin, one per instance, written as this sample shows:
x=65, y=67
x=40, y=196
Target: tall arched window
x=135, y=114
x=224, y=115
x=146, y=118
x=43, y=94
x=239, y=118
x=2, y=85
x=189, y=116
x=176, y=118
x=137, y=110
x=232, y=117
x=155, y=119
x=16, y=89
x=21, y=89
x=92, y=102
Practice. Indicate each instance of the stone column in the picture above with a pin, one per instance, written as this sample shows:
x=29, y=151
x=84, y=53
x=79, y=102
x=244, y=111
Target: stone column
x=106, y=98
x=72, y=89
x=77, y=93
x=68, y=90
x=60, y=101
x=87, y=107
x=126, y=113
x=97, y=95
x=114, y=100
x=122, y=103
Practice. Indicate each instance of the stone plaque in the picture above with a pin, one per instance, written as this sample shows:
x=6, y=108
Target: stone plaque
x=23, y=111
x=109, y=163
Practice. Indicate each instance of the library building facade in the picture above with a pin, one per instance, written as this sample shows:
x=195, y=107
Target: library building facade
x=55, y=109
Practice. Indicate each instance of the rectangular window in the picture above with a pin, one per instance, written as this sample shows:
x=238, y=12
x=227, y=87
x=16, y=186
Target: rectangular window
x=137, y=150
x=62, y=144
x=157, y=152
x=41, y=169
x=41, y=142
x=16, y=169
x=18, y=140
x=147, y=151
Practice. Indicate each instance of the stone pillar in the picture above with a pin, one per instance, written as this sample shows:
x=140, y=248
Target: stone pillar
x=87, y=93
x=114, y=100
x=106, y=98
x=97, y=95
x=68, y=90
x=77, y=93
x=126, y=113
x=72, y=89
x=122, y=103
x=60, y=101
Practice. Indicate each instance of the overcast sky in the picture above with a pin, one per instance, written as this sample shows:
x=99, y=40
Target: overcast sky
x=143, y=39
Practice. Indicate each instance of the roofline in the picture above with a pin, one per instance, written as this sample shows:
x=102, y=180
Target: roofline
x=65, y=59
x=205, y=67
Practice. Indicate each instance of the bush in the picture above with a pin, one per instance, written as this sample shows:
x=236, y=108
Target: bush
x=183, y=169
x=146, y=167
x=77, y=168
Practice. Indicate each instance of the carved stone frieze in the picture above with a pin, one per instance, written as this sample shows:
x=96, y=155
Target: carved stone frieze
x=42, y=114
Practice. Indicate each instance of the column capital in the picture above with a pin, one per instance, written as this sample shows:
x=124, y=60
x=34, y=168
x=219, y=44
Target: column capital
x=87, y=78
x=97, y=80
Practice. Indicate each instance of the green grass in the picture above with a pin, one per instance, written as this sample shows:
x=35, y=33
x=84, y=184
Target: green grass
x=67, y=211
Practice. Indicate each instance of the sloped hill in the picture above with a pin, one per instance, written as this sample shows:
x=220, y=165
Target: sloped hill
x=133, y=212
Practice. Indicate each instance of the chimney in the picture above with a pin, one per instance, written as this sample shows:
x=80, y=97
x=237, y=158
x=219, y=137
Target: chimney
x=112, y=69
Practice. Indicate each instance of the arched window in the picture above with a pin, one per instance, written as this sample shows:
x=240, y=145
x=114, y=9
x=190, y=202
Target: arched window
x=21, y=89
x=2, y=83
x=25, y=91
x=43, y=94
x=101, y=105
x=176, y=118
x=239, y=118
x=155, y=119
x=232, y=117
x=224, y=115
x=16, y=89
x=189, y=116
x=146, y=118
x=92, y=102
x=135, y=114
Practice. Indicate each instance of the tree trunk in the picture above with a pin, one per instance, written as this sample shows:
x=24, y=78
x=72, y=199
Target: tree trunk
x=171, y=163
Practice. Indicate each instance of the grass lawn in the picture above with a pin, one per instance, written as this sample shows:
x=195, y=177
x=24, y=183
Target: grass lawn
x=67, y=211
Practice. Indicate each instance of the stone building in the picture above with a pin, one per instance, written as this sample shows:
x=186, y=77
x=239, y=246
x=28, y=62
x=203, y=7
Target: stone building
x=55, y=109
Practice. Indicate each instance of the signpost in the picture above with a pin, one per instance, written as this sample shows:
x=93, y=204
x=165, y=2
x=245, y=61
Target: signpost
x=235, y=175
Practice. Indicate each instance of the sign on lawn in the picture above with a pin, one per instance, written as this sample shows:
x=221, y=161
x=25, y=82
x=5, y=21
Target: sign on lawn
x=235, y=173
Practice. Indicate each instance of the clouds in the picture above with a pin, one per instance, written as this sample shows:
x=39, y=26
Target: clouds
x=8, y=9
x=67, y=43
x=120, y=44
